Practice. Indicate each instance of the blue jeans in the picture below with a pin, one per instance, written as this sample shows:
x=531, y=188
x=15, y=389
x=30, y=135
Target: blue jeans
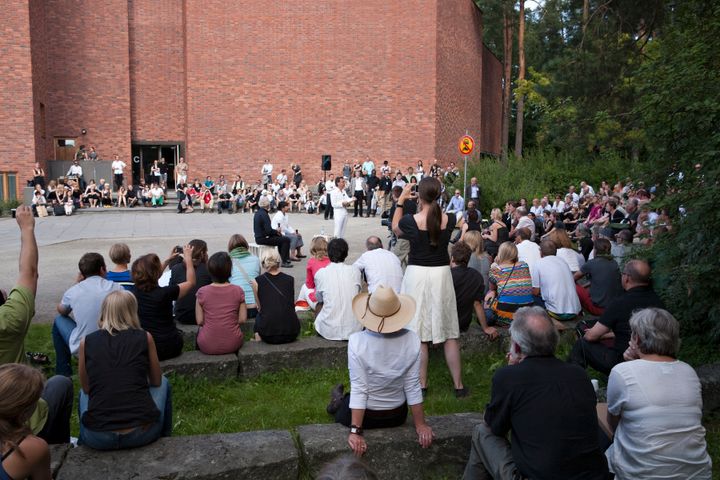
x=62, y=328
x=162, y=397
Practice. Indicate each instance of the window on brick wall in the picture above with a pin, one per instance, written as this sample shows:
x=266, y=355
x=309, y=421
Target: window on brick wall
x=8, y=185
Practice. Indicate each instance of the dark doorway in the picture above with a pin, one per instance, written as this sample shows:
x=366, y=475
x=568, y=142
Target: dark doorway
x=145, y=154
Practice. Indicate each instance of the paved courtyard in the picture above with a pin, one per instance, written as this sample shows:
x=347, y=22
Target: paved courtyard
x=62, y=240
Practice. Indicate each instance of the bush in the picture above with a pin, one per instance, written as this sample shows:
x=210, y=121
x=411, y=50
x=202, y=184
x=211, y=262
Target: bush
x=539, y=173
x=7, y=205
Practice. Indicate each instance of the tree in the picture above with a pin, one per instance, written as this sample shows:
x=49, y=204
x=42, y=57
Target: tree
x=508, y=11
x=520, y=97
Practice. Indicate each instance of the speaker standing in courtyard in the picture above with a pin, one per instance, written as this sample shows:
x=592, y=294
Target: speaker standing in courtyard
x=339, y=201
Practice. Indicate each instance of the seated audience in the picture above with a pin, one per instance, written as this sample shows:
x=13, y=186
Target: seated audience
x=380, y=266
x=125, y=401
x=564, y=249
x=655, y=406
x=622, y=247
x=528, y=252
x=469, y=289
x=479, y=260
x=266, y=235
x=224, y=201
x=276, y=320
x=335, y=287
x=157, y=195
x=83, y=301
x=510, y=285
x=604, y=276
x=220, y=309
x=523, y=221
x=554, y=285
x=245, y=267
x=546, y=405
x=155, y=303
x=131, y=196
x=384, y=364
x=185, y=306
x=280, y=222
x=318, y=259
x=120, y=274
x=24, y=455
x=50, y=420
x=496, y=234
x=603, y=345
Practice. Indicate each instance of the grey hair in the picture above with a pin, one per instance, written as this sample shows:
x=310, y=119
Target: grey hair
x=264, y=202
x=522, y=211
x=657, y=330
x=346, y=467
x=535, y=338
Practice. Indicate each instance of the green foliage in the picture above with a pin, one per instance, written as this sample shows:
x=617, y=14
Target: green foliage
x=539, y=173
x=7, y=205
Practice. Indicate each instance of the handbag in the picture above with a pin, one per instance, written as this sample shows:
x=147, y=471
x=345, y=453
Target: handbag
x=41, y=211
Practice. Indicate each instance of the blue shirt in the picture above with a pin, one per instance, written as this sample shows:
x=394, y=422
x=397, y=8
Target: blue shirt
x=251, y=265
x=123, y=278
x=456, y=204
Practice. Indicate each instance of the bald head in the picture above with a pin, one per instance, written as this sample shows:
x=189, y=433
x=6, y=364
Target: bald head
x=373, y=243
x=638, y=273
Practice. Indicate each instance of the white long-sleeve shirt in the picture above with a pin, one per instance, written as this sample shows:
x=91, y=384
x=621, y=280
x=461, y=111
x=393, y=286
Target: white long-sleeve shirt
x=281, y=221
x=384, y=369
x=338, y=197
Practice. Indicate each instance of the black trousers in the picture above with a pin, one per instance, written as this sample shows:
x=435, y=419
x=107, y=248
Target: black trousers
x=118, y=180
x=372, y=418
x=368, y=202
x=283, y=244
x=595, y=355
x=58, y=394
x=328, y=207
x=359, y=195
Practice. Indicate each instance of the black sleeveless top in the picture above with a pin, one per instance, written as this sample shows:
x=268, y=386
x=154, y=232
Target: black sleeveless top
x=117, y=367
x=421, y=252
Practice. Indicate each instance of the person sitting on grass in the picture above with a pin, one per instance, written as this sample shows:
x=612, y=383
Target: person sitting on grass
x=510, y=285
x=245, y=267
x=480, y=260
x=604, y=275
x=553, y=285
x=469, y=290
x=276, y=320
x=120, y=274
x=220, y=309
x=155, y=303
x=125, y=401
x=335, y=287
x=23, y=454
x=384, y=364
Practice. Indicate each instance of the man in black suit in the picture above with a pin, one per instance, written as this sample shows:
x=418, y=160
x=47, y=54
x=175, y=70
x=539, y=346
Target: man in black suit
x=265, y=235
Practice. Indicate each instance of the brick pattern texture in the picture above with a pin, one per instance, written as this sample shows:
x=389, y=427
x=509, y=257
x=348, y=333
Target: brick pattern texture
x=243, y=81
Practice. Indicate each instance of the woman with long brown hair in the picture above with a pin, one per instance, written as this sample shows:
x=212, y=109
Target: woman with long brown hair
x=428, y=279
x=23, y=454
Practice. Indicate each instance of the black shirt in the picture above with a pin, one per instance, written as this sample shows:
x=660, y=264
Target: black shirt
x=156, y=312
x=469, y=287
x=117, y=367
x=617, y=315
x=421, y=252
x=262, y=226
x=185, y=306
x=586, y=246
x=605, y=284
x=386, y=184
x=276, y=294
x=372, y=182
x=549, y=406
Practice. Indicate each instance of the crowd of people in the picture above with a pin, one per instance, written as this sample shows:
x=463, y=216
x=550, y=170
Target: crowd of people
x=517, y=271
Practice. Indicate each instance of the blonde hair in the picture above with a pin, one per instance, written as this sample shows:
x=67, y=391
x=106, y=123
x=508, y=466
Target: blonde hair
x=474, y=240
x=20, y=389
x=496, y=214
x=560, y=238
x=270, y=259
x=318, y=248
x=119, y=312
x=507, y=253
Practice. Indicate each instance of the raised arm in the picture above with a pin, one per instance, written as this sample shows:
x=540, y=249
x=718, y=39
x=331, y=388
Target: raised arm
x=28, y=270
x=189, y=282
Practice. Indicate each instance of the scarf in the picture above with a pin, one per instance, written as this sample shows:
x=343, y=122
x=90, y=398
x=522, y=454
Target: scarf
x=239, y=252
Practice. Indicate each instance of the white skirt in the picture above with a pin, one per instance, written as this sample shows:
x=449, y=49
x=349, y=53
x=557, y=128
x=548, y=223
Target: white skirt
x=436, y=317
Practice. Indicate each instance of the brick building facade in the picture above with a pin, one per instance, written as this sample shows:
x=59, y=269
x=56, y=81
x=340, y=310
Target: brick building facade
x=230, y=84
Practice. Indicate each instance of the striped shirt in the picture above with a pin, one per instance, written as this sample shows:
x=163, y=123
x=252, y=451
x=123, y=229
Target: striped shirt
x=514, y=284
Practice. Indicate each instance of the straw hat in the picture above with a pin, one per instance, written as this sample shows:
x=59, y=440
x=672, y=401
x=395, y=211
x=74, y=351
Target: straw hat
x=383, y=311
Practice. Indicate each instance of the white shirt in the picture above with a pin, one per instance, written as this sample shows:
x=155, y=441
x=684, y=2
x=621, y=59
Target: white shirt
x=85, y=299
x=282, y=179
x=337, y=197
x=75, y=170
x=570, y=257
x=528, y=252
x=538, y=211
x=267, y=169
x=660, y=431
x=335, y=287
x=329, y=186
x=157, y=192
x=117, y=167
x=384, y=369
x=525, y=222
x=558, y=206
x=381, y=267
x=557, y=286
x=281, y=221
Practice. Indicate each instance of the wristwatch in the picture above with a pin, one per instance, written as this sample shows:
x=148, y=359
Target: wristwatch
x=356, y=430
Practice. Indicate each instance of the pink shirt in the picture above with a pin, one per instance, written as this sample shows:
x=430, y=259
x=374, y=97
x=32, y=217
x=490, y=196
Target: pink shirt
x=313, y=266
x=220, y=333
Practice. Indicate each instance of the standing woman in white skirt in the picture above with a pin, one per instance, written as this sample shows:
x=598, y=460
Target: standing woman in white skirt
x=428, y=279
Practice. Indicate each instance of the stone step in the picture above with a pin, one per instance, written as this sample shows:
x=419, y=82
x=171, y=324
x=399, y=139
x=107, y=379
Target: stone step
x=395, y=452
x=256, y=358
x=269, y=454
x=196, y=364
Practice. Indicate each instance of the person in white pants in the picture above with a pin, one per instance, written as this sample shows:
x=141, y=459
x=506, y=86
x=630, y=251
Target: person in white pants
x=340, y=201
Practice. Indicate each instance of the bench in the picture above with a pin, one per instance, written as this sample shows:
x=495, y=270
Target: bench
x=257, y=250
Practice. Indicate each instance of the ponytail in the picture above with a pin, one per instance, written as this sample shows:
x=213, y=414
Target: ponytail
x=434, y=222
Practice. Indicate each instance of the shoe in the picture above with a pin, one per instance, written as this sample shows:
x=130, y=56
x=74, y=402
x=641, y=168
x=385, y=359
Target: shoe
x=296, y=260
x=336, y=397
x=286, y=265
x=462, y=392
x=302, y=256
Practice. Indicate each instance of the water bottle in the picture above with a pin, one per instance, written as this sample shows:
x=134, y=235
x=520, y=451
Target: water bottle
x=322, y=231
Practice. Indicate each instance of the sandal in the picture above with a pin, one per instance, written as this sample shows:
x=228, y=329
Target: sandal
x=38, y=358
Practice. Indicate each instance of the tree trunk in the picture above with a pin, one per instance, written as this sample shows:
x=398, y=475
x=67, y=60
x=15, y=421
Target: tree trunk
x=585, y=15
x=507, y=71
x=521, y=77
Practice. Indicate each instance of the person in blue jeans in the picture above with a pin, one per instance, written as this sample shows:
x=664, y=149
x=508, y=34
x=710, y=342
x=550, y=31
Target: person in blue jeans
x=125, y=401
x=83, y=301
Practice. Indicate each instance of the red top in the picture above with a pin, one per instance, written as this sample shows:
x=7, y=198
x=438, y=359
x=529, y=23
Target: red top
x=220, y=333
x=313, y=266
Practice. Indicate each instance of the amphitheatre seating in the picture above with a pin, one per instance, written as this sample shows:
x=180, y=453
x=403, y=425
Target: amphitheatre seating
x=272, y=454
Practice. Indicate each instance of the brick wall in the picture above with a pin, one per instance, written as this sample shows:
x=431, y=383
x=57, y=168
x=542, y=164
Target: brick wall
x=17, y=148
x=88, y=81
x=491, y=102
x=459, y=77
x=290, y=81
x=157, y=70
x=39, y=50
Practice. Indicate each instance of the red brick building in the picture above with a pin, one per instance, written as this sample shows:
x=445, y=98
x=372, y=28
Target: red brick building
x=229, y=84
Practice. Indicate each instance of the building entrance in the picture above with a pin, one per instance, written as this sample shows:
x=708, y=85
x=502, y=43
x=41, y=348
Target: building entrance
x=144, y=156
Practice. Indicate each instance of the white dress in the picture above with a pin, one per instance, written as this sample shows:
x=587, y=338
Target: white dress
x=660, y=434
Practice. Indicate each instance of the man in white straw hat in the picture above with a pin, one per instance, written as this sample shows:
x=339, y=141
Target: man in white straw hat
x=384, y=364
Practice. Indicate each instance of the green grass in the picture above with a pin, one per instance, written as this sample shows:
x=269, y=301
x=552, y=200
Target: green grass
x=292, y=398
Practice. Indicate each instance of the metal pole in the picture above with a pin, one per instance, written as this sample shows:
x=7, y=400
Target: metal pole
x=465, y=177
